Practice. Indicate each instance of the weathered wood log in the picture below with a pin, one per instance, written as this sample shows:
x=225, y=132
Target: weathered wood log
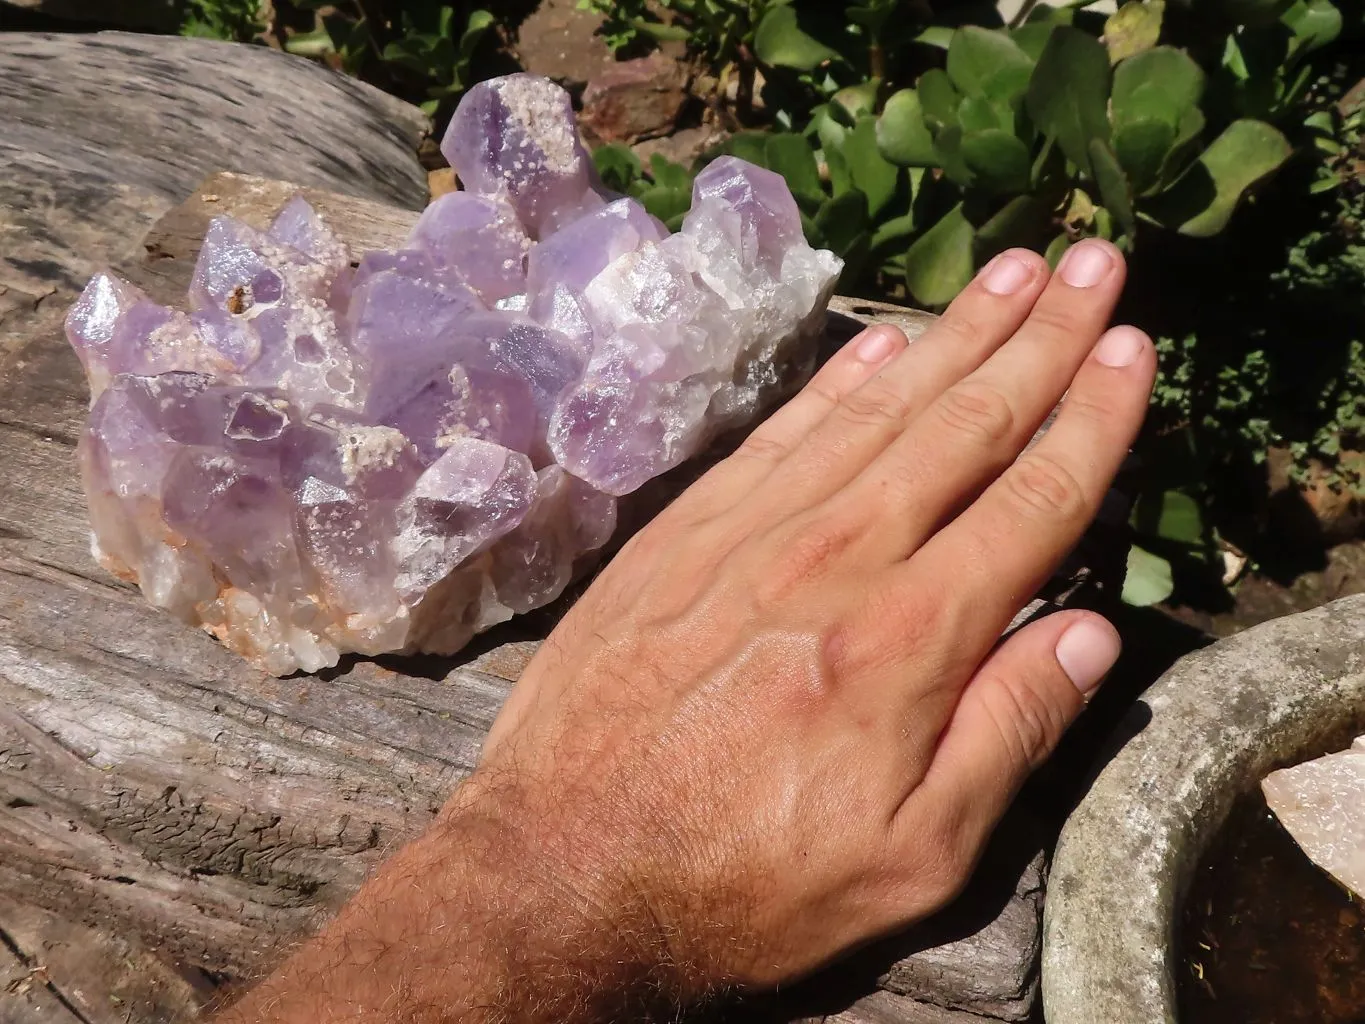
x=170, y=817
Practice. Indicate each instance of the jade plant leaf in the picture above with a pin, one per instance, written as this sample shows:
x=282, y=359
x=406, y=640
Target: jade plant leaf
x=938, y=99
x=1315, y=23
x=842, y=220
x=987, y=63
x=1149, y=580
x=790, y=155
x=1172, y=515
x=1115, y=192
x=976, y=114
x=779, y=41
x=856, y=100
x=1202, y=200
x=1068, y=92
x=1161, y=83
x=948, y=149
x=939, y=263
x=1022, y=221
x=902, y=135
x=1141, y=146
x=871, y=172
x=998, y=160
x=1133, y=28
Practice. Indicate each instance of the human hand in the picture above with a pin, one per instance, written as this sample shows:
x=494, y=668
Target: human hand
x=778, y=724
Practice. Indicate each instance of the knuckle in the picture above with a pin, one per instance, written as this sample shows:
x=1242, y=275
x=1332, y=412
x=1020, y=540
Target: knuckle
x=1088, y=407
x=874, y=404
x=961, y=330
x=800, y=555
x=1054, y=319
x=977, y=411
x=1029, y=724
x=760, y=446
x=1040, y=485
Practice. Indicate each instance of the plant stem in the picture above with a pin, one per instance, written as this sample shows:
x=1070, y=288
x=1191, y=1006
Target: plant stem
x=1025, y=9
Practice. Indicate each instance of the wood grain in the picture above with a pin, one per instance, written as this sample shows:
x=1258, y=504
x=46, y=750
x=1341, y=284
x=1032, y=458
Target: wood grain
x=170, y=817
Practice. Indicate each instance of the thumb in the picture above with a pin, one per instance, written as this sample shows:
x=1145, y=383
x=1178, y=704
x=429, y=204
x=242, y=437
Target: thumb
x=1013, y=713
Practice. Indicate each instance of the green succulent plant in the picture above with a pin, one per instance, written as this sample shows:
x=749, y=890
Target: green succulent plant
x=1044, y=132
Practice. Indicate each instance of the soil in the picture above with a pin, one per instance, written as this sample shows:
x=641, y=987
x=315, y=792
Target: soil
x=1268, y=938
x=1265, y=594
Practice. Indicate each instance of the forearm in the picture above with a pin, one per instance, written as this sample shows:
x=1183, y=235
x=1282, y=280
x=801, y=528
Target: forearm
x=467, y=924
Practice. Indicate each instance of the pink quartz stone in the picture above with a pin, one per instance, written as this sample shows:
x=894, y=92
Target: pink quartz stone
x=1322, y=805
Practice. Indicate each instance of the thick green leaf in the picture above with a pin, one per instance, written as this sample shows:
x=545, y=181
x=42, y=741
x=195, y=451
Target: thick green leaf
x=668, y=204
x=1068, y=93
x=1183, y=149
x=1161, y=83
x=894, y=230
x=902, y=135
x=1134, y=27
x=790, y=155
x=1020, y=222
x=1056, y=249
x=750, y=146
x=976, y=114
x=872, y=173
x=948, y=150
x=1315, y=23
x=827, y=128
x=1032, y=38
x=840, y=177
x=1115, y=192
x=1149, y=579
x=998, y=160
x=983, y=62
x=1172, y=516
x=1202, y=200
x=872, y=16
x=618, y=167
x=479, y=22
x=856, y=100
x=668, y=174
x=940, y=36
x=1141, y=146
x=310, y=44
x=842, y=221
x=939, y=264
x=779, y=41
x=938, y=99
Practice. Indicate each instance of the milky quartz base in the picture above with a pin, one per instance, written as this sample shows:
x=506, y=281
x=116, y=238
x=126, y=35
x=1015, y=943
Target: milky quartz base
x=320, y=456
x=1322, y=805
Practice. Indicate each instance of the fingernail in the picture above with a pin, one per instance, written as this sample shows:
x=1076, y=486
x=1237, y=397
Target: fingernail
x=1087, y=651
x=1120, y=346
x=1086, y=264
x=1005, y=275
x=876, y=345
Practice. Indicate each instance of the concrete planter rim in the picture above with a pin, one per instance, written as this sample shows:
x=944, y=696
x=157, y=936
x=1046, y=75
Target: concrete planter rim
x=1202, y=735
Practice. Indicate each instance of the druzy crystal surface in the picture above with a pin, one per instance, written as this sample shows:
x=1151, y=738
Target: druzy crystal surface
x=322, y=456
x=1322, y=805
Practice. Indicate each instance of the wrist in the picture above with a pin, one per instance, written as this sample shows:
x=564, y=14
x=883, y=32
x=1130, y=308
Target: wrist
x=491, y=915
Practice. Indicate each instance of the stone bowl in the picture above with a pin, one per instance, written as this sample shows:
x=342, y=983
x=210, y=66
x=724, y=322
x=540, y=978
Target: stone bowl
x=1204, y=734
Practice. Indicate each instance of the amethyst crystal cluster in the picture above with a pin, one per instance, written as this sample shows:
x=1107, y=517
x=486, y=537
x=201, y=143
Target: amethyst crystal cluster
x=319, y=457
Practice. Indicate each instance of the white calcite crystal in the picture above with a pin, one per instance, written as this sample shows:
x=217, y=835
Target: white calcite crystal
x=319, y=457
x=1322, y=805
